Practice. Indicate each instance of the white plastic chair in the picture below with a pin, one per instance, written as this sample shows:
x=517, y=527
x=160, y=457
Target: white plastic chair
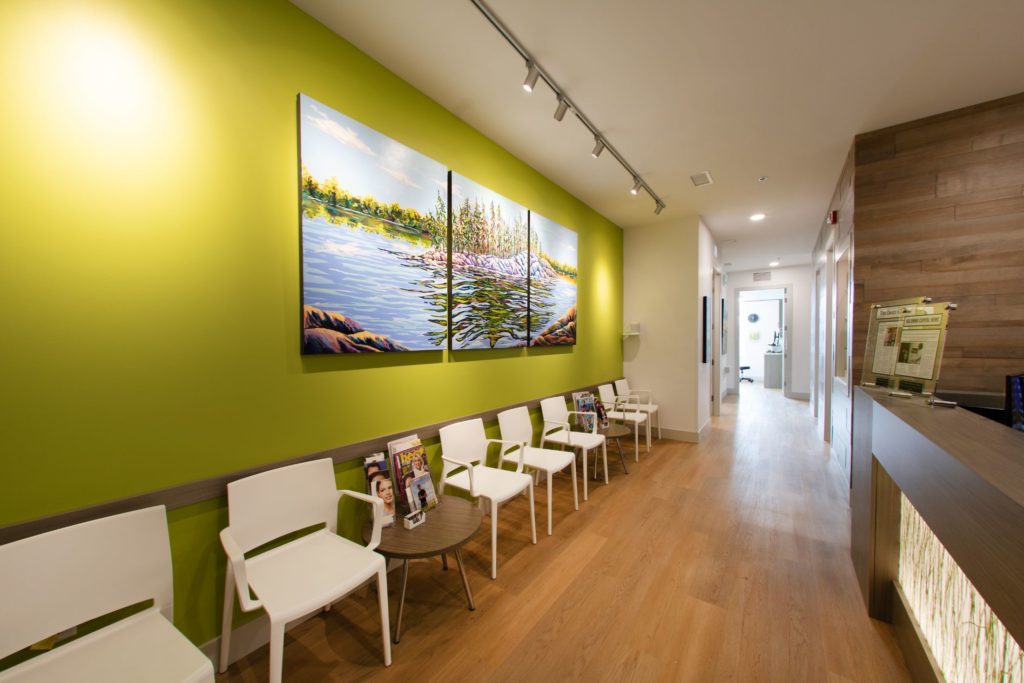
x=62, y=578
x=464, y=444
x=516, y=427
x=626, y=409
x=303, y=575
x=646, y=404
x=557, y=430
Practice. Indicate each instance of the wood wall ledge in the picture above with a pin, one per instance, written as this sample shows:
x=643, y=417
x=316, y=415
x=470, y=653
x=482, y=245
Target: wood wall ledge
x=215, y=487
x=965, y=475
x=990, y=450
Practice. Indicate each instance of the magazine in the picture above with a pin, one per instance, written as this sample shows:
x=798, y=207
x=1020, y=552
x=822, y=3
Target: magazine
x=378, y=483
x=421, y=493
x=410, y=465
x=584, y=402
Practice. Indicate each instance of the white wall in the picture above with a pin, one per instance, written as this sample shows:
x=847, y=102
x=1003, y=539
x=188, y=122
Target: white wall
x=800, y=280
x=660, y=291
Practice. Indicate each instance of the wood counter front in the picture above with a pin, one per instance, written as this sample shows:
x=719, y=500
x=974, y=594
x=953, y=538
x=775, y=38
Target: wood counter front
x=963, y=473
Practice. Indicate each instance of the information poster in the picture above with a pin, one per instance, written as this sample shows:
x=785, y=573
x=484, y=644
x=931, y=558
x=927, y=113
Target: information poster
x=905, y=340
x=886, y=348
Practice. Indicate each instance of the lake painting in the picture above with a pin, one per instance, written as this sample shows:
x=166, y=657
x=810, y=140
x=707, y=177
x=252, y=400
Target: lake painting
x=553, y=262
x=374, y=239
x=489, y=268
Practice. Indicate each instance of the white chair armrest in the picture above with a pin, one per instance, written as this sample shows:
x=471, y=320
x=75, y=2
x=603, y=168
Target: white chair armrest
x=521, y=445
x=237, y=559
x=378, y=513
x=631, y=403
x=594, y=415
x=469, y=468
x=642, y=392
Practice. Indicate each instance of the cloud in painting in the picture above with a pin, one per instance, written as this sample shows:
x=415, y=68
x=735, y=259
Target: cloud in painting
x=345, y=136
x=400, y=176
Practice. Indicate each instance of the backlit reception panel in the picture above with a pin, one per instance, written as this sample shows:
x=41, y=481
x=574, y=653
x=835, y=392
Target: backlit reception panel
x=966, y=638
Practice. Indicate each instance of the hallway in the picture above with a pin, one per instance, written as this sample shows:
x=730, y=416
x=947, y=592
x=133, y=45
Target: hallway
x=727, y=560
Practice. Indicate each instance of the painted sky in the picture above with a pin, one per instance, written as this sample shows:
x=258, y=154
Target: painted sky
x=366, y=162
x=463, y=187
x=557, y=241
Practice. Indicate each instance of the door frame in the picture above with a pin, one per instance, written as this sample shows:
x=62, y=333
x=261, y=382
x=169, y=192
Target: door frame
x=787, y=315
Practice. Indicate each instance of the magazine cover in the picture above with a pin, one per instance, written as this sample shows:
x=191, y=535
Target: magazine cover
x=421, y=493
x=378, y=483
x=602, y=415
x=410, y=464
x=584, y=402
x=382, y=487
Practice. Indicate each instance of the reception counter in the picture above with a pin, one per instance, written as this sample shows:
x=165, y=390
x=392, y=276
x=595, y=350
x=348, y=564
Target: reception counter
x=956, y=475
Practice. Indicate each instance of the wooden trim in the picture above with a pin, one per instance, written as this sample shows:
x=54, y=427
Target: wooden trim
x=216, y=486
x=916, y=653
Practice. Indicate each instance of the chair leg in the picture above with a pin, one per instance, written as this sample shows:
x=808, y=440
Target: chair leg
x=584, y=452
x=575, y=492
x=225, y=625
x=533, y=515
x=658, y=413
x=549, y=501
x=636, y=442
x=276, y=651
x=604, y=456
x=648, y=423
x=494, y=540
x=385, y=622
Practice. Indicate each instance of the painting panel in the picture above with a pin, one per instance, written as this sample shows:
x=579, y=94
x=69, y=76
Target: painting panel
x=489, y=286
x=374, y=239
x=553, y=263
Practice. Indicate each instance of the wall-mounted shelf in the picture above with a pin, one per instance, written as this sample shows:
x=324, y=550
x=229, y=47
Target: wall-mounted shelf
x=630, y=334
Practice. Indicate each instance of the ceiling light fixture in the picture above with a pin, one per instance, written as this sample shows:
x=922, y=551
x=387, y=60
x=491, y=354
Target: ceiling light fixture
x=532, y=74
x=762, y=179
x=757, y=217
x=563, y=106
x=774, y=263
x=658, y=207
x=637, y=184
x=535, y=72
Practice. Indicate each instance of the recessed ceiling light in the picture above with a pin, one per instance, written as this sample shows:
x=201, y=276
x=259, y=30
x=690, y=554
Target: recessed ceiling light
x=773, y=264
x=757, y=217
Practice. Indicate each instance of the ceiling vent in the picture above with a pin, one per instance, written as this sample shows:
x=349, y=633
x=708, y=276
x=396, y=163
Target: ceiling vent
x=702, y=178
x=763, y=276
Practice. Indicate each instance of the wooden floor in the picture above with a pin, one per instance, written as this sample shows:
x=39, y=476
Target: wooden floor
x=724, y=561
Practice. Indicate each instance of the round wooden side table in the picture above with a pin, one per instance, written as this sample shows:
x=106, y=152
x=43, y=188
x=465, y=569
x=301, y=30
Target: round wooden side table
x=447, y=527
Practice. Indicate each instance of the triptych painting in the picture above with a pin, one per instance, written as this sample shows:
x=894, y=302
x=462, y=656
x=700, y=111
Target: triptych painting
x=386, y=231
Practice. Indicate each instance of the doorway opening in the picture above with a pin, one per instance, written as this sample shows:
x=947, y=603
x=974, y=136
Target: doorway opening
x=762, y=339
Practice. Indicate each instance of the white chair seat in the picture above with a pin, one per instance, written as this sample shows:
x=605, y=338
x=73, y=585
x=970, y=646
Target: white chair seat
x=144, y=648
x=585, y=440
x=628, y=416
x=494, y=484
x=331, y=567
x=547, y=459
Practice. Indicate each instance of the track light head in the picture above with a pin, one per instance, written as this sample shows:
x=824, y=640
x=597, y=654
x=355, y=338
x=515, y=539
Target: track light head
x=658, y=207
x=531, y=77
x=637, y=184
x=563, y=106
x=598, y=148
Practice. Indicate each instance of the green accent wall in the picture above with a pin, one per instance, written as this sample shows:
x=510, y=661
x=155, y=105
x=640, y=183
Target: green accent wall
x=150, y=258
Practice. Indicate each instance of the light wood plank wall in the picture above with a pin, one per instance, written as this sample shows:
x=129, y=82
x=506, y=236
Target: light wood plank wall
x=939, y=211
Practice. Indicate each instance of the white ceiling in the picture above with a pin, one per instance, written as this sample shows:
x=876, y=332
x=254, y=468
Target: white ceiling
x=742, y=88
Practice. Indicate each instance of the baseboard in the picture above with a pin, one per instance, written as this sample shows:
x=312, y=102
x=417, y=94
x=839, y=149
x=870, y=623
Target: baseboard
x=688, y=437
x=800, y=396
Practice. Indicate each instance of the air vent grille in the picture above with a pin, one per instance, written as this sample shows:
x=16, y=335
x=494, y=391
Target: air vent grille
x=763, y=276
x=702, y=178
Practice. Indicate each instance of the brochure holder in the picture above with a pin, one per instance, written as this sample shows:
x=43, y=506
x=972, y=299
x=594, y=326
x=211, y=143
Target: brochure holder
x=904, y=347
